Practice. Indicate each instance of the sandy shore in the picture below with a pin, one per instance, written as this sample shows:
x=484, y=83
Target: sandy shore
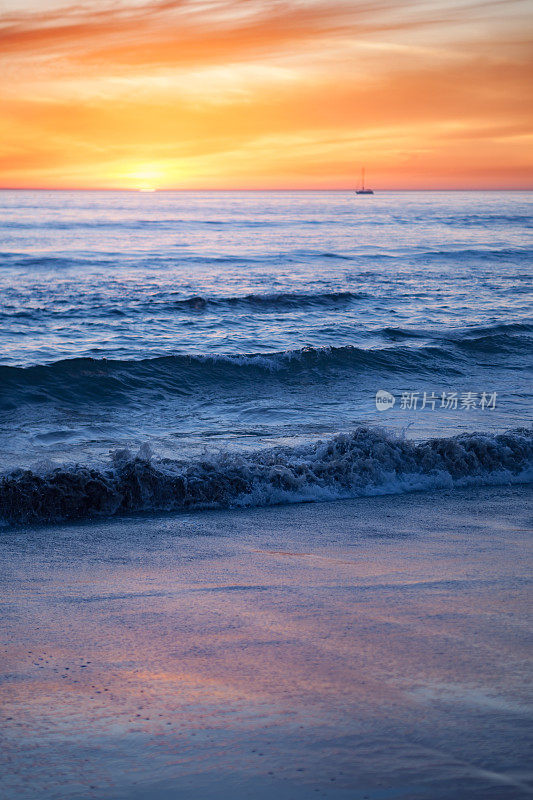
x=370, y=648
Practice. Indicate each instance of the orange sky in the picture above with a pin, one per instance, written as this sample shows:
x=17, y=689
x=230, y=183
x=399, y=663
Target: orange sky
x=258, y=94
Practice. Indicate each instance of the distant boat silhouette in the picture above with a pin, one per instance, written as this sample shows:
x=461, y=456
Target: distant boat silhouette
x=362, y=190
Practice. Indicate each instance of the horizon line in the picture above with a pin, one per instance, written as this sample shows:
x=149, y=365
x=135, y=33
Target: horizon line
x=258, y=190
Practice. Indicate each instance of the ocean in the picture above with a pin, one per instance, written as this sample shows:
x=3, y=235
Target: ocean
x=264, y=483
x=180, y=350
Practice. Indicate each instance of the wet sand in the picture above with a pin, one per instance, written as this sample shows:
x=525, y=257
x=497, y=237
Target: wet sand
x=372, y=648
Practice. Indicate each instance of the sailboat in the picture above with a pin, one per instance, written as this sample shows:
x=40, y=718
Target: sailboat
x=362, y=190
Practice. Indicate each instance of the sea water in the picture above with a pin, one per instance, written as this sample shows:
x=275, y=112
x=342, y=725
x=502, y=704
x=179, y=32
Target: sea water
x=177, y=349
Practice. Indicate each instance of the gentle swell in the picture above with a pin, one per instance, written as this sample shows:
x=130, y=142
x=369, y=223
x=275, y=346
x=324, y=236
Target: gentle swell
x=269, y=302
x=256, y=303
x=491, y=253
x=365, y=462
x=488, y=221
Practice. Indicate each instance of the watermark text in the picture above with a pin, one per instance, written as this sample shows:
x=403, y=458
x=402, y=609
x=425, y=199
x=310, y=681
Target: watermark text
x=431, y=401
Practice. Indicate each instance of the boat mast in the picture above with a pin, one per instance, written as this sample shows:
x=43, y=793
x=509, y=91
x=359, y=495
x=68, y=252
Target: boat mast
x=363, y=178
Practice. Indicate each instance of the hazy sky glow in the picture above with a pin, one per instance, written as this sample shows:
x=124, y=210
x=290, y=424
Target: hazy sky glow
x=266, y=93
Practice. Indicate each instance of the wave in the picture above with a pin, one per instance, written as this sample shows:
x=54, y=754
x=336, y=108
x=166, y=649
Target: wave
x=486, y=221
x=81, y=380
x=493, y=343
x=480, y=253
x=464, y=220
x=410, y=352
x=270, y=302
x=111, y=259
x=258, y=303
x=26, y=260
x=499, y=338
x=366, y=462
x=423, y=256
x=159, y=224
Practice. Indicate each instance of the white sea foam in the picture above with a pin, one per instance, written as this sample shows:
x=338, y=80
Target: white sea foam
x=366, y=462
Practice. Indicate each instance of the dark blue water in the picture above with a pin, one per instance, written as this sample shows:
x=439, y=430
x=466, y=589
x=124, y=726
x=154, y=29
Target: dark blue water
x=204, y=327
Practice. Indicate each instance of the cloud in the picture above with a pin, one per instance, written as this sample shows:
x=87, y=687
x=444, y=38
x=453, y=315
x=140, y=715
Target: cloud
x=264, y=89
x=177, y=32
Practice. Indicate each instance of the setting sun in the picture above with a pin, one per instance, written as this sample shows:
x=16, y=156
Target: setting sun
x=144, y=179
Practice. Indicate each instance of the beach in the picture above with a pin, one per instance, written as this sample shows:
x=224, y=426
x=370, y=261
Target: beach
x=367, y=648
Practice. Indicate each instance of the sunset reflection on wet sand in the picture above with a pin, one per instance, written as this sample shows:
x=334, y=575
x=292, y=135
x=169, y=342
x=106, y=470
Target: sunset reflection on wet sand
x=366, y=648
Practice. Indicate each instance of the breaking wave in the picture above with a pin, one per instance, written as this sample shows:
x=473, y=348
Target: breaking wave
x=366, y=462
x=105, y=380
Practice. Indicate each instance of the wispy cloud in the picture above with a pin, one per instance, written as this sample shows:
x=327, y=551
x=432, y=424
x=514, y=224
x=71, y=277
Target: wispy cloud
x=92, y=89
x=185, y=31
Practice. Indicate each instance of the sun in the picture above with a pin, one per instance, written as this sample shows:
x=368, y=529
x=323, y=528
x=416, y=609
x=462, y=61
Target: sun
x=151, y=176
x=145, y=178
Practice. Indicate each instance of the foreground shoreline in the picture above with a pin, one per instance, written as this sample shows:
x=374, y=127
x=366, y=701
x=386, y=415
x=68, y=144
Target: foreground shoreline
x=374, y=647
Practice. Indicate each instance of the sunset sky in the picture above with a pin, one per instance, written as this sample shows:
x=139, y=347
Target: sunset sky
x=255, y=94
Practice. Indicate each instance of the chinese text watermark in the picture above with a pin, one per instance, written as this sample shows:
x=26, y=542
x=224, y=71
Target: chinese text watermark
x=448, y=401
